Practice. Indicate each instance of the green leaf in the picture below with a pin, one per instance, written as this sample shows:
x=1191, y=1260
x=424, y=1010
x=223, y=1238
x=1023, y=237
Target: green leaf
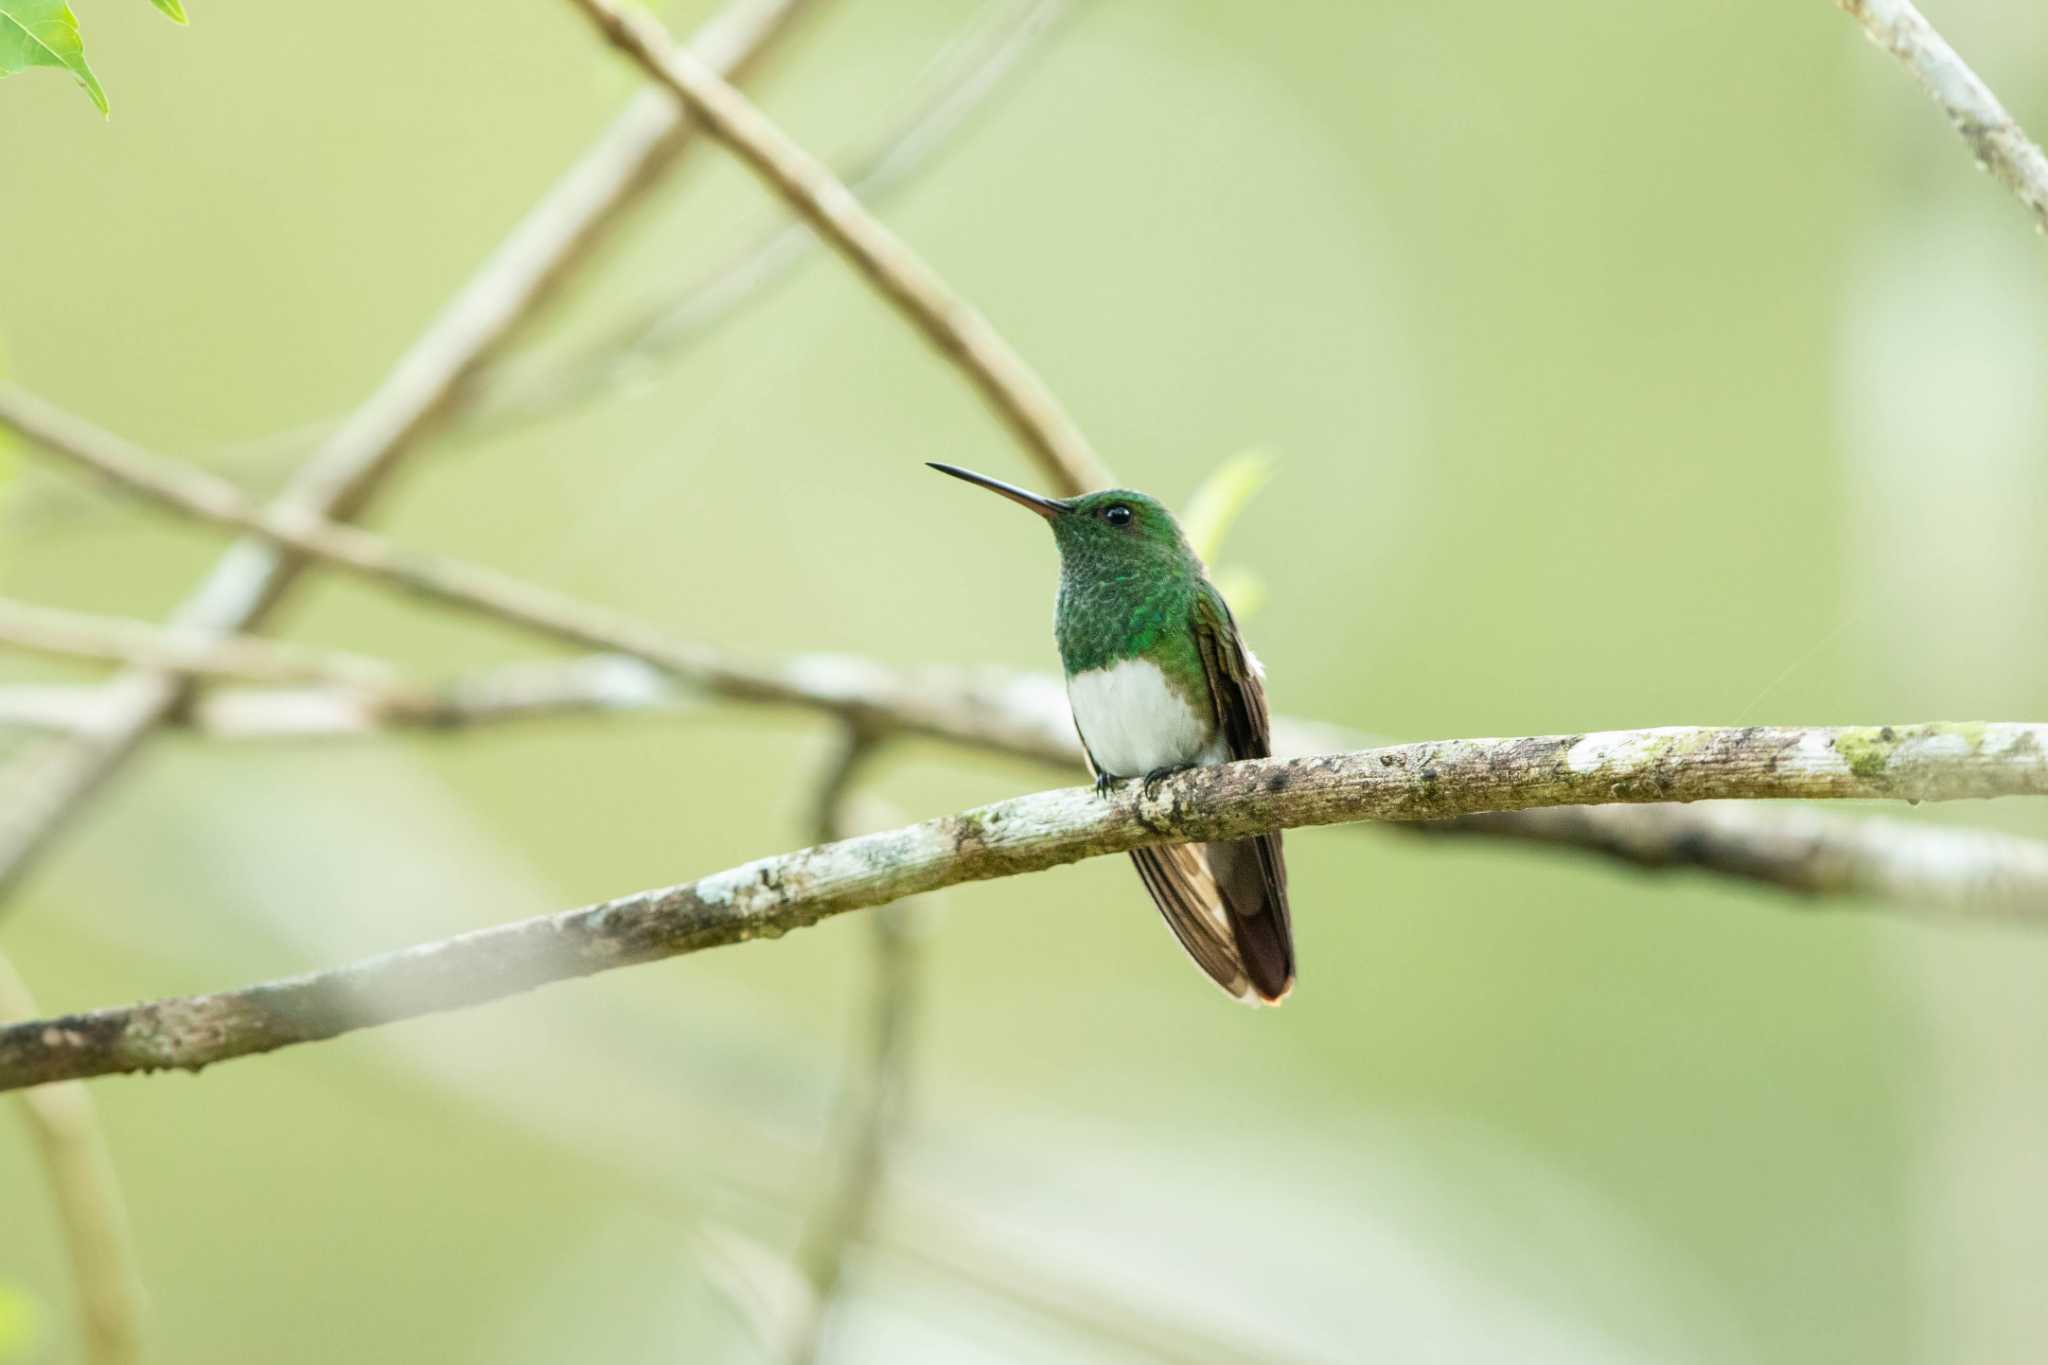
x=171, y=8
x=1210, y=513
x=1221, y=497
x=1243, y=588
x=45, y=33
x=20, y=1324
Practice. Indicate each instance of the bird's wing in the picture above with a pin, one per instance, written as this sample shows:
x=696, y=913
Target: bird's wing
x=1236, y=682
x=1251, y=874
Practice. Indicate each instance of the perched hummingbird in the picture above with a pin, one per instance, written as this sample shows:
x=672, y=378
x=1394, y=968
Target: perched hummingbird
x=1159, y=680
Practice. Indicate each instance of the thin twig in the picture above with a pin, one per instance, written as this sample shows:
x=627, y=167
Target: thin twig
x=243, y=658
x=593, y=684
x=195, y=493
x=877, y=1078
x=54, y=782
x=1996, y=140
x=948, y=321
x=766, y=898
x=87, y=1194
x=522, y=389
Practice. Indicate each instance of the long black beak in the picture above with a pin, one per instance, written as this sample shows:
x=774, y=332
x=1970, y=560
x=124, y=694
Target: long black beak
x=1044, y=506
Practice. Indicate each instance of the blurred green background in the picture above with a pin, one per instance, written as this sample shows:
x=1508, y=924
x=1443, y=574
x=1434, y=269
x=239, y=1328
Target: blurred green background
x=1629, y=365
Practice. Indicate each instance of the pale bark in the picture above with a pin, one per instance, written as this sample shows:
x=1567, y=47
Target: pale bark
x=1995, y=139
x=768, y=897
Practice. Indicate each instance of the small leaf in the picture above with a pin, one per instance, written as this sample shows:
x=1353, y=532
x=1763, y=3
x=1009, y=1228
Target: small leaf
x=172, y=9
x=1242, y=588
x=20, y=1325
x=45, y=33
x=1221, y=497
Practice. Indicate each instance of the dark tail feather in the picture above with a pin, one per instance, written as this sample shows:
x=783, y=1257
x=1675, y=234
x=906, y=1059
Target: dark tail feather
x=1252, y=875
x=1227, y=904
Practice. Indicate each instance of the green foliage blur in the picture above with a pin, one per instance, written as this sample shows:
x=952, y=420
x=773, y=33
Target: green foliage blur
x=45, y=33
x=1630, y=364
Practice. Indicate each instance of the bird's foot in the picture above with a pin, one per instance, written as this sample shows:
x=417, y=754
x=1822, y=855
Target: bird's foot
x=1158, y=775
x=1103, y=782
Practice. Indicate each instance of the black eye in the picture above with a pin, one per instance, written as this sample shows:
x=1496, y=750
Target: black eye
x=1117, y=515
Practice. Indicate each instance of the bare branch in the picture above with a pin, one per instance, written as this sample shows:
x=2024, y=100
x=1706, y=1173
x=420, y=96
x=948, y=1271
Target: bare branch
x=952, y=325
x=529, y=388
x=847, y=691
x=1025, y=716
x=1809, y=852
x=1996, y=140
x=55, y=781
x=592, y=684
x=87, y=1194
x=245, y=658
x=1435, y=780
x=519, y=389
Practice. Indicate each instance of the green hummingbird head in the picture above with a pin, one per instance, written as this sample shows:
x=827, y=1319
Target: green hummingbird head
x=1118, y=532
x=1128, y=579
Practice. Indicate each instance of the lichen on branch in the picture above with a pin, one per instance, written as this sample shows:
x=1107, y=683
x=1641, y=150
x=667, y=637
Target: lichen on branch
x=770, y=896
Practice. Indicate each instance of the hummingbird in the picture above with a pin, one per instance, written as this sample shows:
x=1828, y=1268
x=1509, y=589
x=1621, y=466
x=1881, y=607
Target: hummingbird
x=1159, y=680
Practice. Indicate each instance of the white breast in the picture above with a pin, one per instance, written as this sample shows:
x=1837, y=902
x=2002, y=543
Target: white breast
x=1134, y=723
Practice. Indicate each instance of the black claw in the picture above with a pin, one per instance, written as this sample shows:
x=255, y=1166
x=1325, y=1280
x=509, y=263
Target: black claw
x=1103, y=782
x=1158, y=775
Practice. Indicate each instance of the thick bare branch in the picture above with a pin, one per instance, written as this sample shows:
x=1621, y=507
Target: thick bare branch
x=1435, y=780
x=55, y=781
x=87, y=1194
x=1025, y=716
x=1996, y=140
x=948, y=321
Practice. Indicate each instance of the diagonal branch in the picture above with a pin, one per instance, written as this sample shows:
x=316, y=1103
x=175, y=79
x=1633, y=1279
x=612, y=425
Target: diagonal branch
x=770, y=896
x=244, y=658
x=197, y=494
x=1996, y=140
x=55, y=782
x=948, y=321
x=518, y=389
